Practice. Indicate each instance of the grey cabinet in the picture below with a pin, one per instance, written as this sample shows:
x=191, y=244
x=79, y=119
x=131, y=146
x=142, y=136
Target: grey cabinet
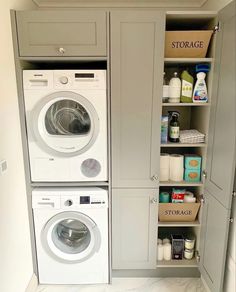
x=221, y=155
x=61, y=33
x=134, y=229
x=137, y=44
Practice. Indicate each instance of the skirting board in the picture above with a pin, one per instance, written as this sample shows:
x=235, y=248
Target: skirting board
x=205, y=285
x=33, y=284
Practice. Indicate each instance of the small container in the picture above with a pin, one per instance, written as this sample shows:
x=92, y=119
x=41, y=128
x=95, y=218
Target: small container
x=159, y=241
x=165, y=240
x=167, y=251
x=164, y=197
x=192, y=175
x=177, y=247
x=164, y=129
x=188, y=254
x=165, y=94
x=189, y=242
x=192, y=161
x=160, y=252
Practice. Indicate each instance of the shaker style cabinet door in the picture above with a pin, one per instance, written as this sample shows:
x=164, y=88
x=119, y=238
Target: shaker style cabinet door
x=222, y=130
x=221, y=155
x=137, y=50
x=134, y=228
x=61, y=33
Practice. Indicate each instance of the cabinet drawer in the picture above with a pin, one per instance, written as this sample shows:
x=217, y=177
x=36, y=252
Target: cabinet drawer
x=61, y=33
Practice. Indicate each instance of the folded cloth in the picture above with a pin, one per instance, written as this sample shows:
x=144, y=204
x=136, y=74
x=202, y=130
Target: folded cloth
x=191, y=136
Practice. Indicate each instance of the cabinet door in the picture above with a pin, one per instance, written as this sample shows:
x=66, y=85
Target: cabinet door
x=47, y=33
x=137, y=44
x=221, y=155
x=134, y=228
x=221, y=151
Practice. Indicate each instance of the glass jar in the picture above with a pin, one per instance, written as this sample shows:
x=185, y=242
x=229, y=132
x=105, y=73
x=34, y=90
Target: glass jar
x=189, y=242
x=188, y=254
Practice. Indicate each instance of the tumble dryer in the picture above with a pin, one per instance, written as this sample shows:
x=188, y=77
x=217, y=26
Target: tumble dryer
x=71, y=230
x=66, y=118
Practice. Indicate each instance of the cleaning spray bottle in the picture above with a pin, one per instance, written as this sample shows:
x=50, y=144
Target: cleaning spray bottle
x=200, y=88
x=174, y=126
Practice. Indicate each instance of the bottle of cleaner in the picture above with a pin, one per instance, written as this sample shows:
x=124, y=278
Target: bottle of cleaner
x=174, y=89
x=200, y=88
x=174, y=126
x=187, y=87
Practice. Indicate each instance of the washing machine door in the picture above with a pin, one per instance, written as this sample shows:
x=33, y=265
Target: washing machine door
x=71, y=237
x=65, y=124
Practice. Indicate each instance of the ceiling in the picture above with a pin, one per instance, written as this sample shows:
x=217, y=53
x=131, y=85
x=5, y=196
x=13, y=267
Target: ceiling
x=121, y=3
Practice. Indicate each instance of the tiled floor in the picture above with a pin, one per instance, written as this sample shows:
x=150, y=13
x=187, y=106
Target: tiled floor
x=134, y=285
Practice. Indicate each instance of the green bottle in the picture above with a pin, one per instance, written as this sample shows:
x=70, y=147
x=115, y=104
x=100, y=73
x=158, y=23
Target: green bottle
x=174, y=130
x=186, y=87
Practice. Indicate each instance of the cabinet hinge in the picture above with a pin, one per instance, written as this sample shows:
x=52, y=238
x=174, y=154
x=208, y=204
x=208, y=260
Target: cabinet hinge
x=204, y=174
x=231, y=220
x=198, y=256
x=234, y=194
x=216, y=28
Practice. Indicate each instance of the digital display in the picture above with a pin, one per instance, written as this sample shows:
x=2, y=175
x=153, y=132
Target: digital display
x=84, y=75
x=84, y=200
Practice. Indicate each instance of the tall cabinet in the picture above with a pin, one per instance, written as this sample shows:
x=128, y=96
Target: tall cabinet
x=137, y=45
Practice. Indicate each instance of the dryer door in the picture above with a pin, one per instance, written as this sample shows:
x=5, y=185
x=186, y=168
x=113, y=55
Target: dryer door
x=65, y=124
x=71, y=237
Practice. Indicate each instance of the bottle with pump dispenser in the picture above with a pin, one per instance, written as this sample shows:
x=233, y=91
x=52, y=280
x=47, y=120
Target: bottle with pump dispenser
x=174, y=89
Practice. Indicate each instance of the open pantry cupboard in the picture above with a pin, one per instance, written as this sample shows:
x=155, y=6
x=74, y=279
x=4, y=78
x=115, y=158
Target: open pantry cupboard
x=135, y=171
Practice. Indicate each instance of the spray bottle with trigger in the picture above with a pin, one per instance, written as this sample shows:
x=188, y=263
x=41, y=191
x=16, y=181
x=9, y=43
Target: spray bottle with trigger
x=174, y=126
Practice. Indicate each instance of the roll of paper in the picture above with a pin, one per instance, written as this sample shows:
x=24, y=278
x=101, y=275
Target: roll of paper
x=164, y=174
x=160, y=252
x=165, y=160
x=167, y=251
x=176, y=167
x=188, y=199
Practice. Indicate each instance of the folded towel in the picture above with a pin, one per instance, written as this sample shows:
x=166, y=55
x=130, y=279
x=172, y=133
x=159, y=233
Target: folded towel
x=191, y=136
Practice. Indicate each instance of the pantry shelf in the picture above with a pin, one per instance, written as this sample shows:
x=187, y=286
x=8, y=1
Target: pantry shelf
x=178, y=264
x=179, y=224
x=185, y=104
x=170, y=144
x=181, y=183
x=188, y=60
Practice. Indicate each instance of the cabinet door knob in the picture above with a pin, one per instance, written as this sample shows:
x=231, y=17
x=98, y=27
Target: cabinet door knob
x=154, y=177
x=62, y=50
x=153, y=201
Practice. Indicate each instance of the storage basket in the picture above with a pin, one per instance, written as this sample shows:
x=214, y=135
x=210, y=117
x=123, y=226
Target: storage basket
x=181, y=212
x=187, y=44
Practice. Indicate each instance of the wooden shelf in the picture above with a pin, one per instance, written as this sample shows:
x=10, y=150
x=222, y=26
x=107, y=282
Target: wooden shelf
x=181, y=183
x=185, y=104
x=179, y=224
x=170, y=144
x=188, y=60
x=178, y=264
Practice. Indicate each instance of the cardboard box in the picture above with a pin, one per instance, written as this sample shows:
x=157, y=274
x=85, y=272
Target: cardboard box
x=178, y=212
x=187, y=44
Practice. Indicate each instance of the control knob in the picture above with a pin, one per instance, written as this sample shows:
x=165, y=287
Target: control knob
x=63, y=79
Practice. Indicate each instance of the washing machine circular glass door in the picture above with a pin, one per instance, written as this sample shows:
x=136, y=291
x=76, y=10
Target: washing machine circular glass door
x=65, y=124
x=71, y=237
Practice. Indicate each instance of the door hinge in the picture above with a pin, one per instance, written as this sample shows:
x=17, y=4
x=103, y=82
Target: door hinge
x=216, y=28
x=198, y=256
x=202, y=199
x=204, y=174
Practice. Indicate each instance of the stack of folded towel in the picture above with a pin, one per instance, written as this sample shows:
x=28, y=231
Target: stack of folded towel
x=191, y=136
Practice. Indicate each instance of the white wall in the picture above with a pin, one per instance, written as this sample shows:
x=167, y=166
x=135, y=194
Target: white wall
x=16, y=266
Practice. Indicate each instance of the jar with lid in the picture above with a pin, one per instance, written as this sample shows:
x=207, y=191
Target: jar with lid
x=189, y=242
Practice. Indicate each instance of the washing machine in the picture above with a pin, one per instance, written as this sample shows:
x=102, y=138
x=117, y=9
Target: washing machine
x=66, y=119
x=71, y=230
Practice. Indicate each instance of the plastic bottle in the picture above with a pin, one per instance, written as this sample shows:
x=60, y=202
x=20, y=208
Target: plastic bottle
x=174, y=88
x=200, y=88
x=165, y=93
x=187, y=87
x=174, y=131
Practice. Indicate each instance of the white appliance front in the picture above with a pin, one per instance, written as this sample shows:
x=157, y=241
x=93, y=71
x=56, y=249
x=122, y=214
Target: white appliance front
x=66, y=118
x=71, y=230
